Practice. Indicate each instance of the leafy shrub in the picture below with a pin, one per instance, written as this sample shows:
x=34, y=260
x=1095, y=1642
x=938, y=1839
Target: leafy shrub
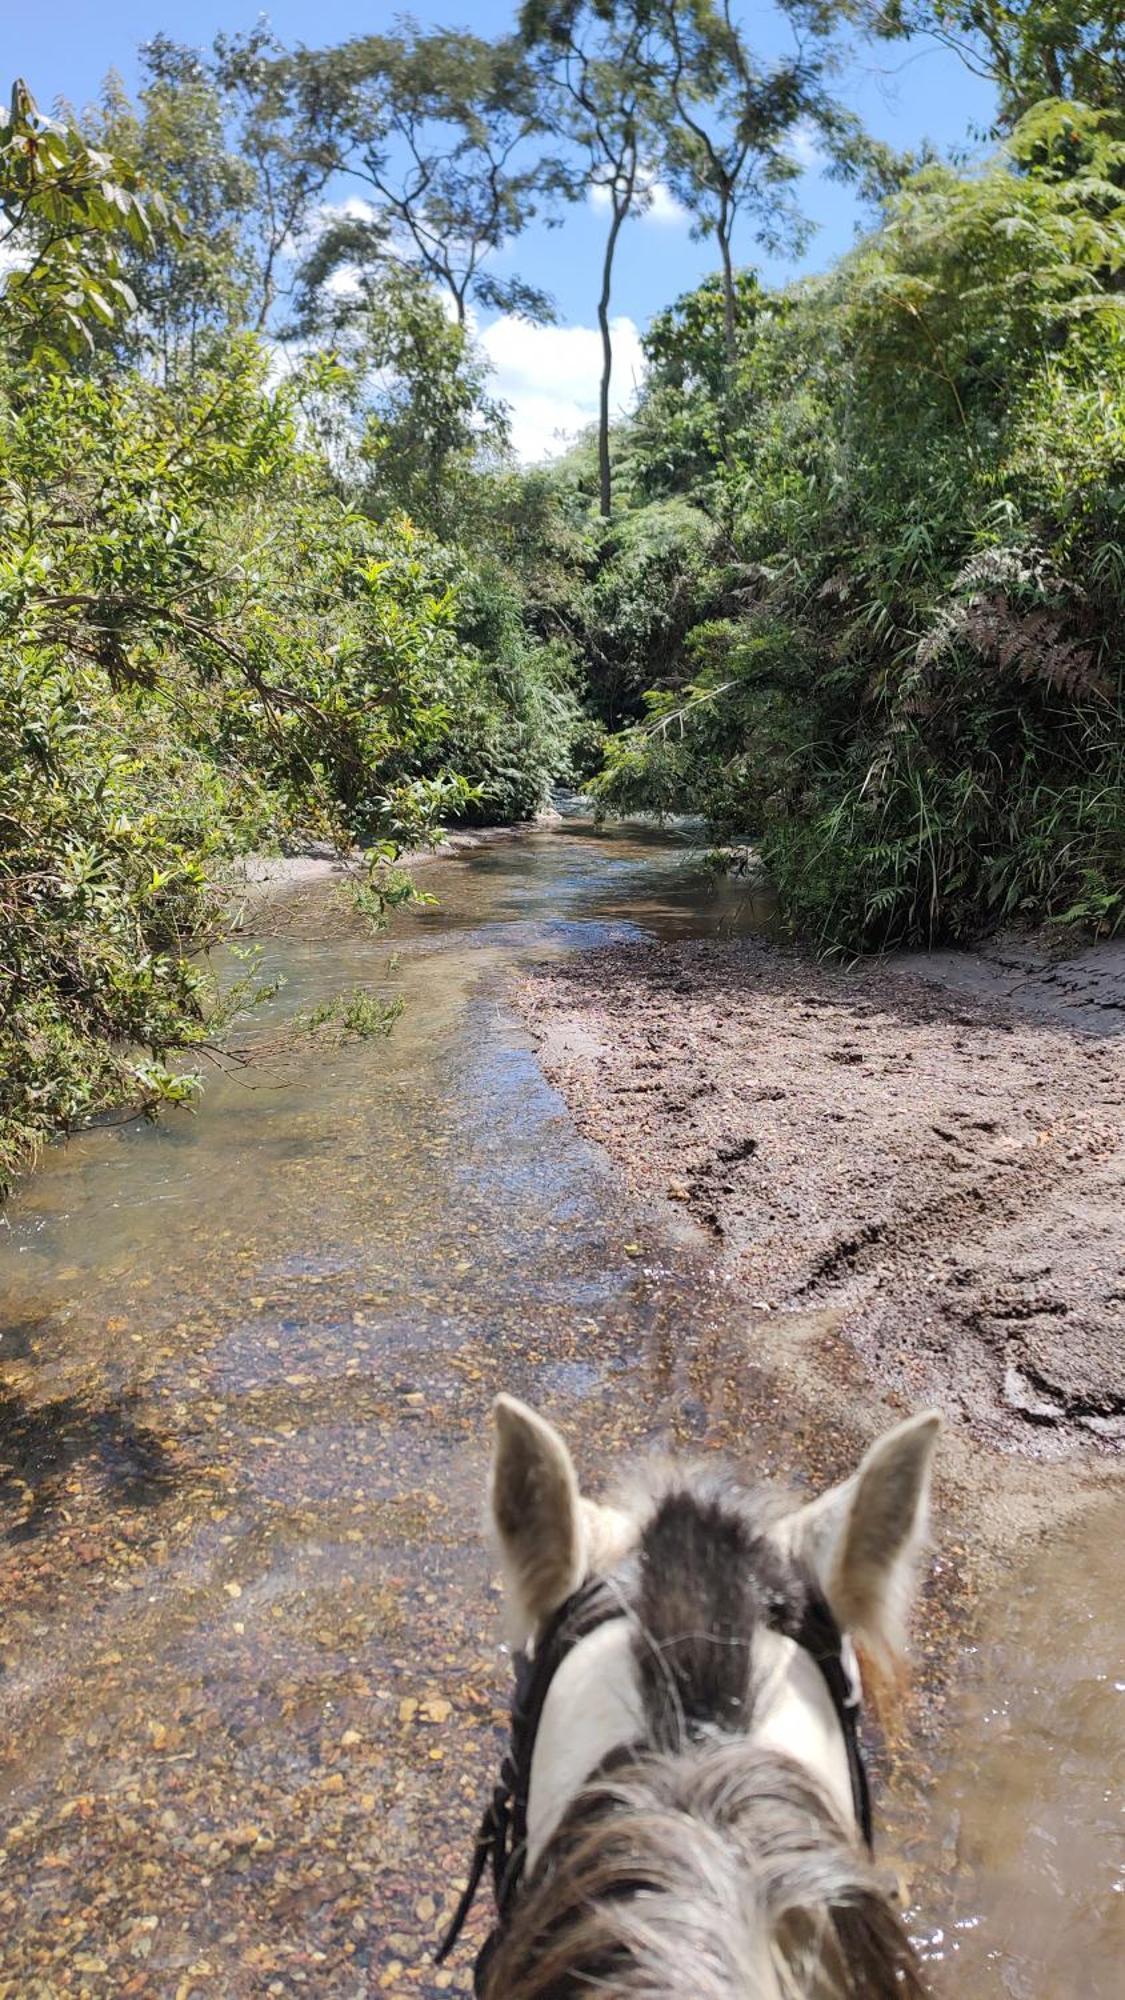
x=920, y=710
x=514, y=719
x=649, y=578
x=204, y=651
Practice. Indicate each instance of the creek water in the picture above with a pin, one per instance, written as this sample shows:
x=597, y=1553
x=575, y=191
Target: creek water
x=250, y=1691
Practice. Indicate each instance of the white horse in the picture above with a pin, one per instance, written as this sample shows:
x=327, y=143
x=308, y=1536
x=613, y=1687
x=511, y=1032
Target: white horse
x=684, y=1808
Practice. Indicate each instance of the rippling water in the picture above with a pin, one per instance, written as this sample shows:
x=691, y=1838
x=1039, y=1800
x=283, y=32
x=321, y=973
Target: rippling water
x=249, y=1686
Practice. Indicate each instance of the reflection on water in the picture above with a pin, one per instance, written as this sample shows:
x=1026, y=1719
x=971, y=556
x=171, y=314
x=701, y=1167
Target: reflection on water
x=1033, y=1798
x=248, y=1681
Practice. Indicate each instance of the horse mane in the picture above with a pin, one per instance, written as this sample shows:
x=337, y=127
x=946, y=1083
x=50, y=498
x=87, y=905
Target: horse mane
x=699, y=1863
x=716, y=1871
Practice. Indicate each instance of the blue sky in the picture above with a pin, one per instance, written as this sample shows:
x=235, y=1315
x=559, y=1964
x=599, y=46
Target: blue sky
x=905, y=93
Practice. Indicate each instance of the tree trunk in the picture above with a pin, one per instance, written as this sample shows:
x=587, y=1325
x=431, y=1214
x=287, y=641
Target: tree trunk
x=730, y=327
x=605, y=491
x=730, y=332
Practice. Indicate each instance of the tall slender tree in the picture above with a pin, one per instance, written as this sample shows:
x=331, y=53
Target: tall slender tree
x=195, y=282
x=599, y=57
x=245, y=163
x=287, y=138
x=442, y=132
x=727, y=122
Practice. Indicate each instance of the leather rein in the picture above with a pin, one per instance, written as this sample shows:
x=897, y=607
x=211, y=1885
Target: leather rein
x=501, y=1839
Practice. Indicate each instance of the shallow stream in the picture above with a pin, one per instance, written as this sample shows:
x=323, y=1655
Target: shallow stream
x=250, y=1692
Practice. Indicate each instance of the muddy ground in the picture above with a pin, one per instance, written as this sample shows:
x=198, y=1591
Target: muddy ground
x=933, y=1151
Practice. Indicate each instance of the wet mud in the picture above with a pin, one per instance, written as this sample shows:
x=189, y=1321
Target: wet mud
x=251, y=1695
x=941, y=1168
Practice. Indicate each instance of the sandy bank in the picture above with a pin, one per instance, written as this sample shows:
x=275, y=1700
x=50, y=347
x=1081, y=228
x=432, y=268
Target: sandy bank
x=321, y=861
x=932, y=1152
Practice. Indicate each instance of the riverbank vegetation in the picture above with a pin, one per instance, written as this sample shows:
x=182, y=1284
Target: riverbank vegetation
x=899, y=541
x=221, y=630
x=847, y=582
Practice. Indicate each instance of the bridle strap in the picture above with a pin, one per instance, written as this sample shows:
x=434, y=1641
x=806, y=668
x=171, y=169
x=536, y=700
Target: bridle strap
x=819, y=1635
x=490, y=1838
x=502, y=1834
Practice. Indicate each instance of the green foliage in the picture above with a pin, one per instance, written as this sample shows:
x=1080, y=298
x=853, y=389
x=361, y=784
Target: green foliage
x=861, y=595
x=1032, y=52
x=444, y=133
x=517, y=715
x=231, y=613
x=654, y=579
x=684, y=421
x=725, y=120
x=106, y=837
x=919, y=707
x=617, y=598
x=205, y=650
x=192, y=282
x=68, y=210
x=594, y=59
x=355, y=1016
x=647, y=88
x=422, y=423
x=242, y=162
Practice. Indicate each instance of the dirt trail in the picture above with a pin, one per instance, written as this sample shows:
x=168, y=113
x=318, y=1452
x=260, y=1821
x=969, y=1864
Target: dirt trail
x=941, y=1166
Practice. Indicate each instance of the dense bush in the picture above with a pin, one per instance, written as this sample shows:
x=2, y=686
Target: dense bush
x=204, y=651
x=617, y=597
x=232, y=613
x=651, y=579
x=919, y=709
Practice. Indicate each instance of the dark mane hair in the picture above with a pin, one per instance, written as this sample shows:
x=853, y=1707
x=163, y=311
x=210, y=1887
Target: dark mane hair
x=698, y=1866
x=708, y=1874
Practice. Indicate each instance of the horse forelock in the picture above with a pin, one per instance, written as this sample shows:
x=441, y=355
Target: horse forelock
x=720, y=1871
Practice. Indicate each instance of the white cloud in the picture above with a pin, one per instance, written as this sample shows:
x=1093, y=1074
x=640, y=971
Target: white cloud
x=549, y=375
x=663, y=208
x=13, y=257
x=804, y=143
x=343, y=282
x=354, y=209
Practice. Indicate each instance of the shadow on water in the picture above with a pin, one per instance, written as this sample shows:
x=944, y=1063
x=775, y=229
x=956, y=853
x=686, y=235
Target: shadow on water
x=40, y=1443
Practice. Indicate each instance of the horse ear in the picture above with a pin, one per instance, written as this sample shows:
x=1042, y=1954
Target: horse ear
x=537, y=1515
x=862, y=1539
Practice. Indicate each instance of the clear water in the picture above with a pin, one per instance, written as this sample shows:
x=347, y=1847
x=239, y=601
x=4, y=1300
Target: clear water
x=1029, y=1809
x=250, y=1695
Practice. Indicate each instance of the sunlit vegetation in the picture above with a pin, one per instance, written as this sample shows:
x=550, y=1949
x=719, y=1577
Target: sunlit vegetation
x=848, y=583
x=905, y=680
x=223, y=629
